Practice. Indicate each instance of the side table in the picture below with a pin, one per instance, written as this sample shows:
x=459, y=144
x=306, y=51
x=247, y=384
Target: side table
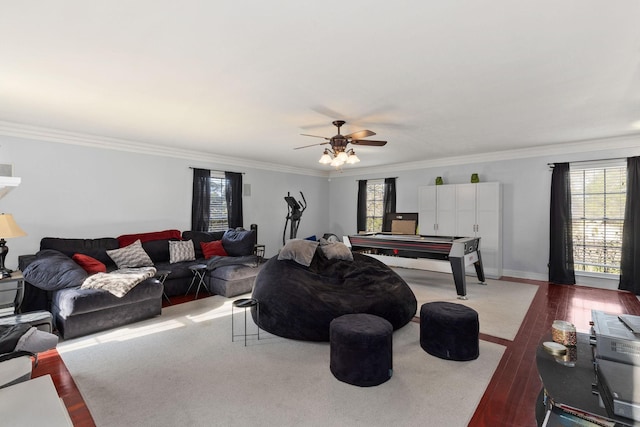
x=198, y=271
x=15, y=283
x=258, y=250
x=161, y=275
x=245, y=303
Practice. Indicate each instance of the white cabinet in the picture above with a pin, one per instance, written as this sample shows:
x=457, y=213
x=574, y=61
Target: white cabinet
x=436, y=210
x=466, y=210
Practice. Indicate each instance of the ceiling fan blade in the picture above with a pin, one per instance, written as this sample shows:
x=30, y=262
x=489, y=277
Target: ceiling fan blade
x=360, y=134
x=326, y=111
x=316, y=136
x=312, y=145
x=369, y=142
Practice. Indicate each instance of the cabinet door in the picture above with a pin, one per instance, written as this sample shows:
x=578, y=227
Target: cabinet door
x=466, y=210
x=437, y=210
x=489, y=226
x=446, y=206
x=427, y=218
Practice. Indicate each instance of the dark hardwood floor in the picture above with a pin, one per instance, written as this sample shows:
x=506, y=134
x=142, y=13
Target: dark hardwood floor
x=511, y=395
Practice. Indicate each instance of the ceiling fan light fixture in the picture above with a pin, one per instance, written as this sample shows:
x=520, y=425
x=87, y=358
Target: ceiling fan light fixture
x=352, y=159
x=336, y=162
x=339, y=153
x=326, y=158
x=342, y=156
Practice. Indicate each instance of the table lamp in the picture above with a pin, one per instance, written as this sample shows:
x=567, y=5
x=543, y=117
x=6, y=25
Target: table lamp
x=8, y=229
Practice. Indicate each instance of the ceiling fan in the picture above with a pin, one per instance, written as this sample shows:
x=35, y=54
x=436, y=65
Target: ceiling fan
x=339, y=154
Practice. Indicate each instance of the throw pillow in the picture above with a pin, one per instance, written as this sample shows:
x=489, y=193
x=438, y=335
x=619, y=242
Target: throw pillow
x=337, y=250
x=131, y=256
x=181, y=251
x=210, y=249
x=90, y=264
x=53, y=270
x=300, y=251
x=239, y=242
x=201, y=236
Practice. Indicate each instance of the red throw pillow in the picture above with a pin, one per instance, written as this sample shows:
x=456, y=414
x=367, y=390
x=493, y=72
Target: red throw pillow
x=90, y=265
x=210, y=249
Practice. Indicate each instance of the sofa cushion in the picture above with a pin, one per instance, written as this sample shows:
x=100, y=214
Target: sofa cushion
x=131, y=256
x=201, y=236
x=127, y=239
x=234, y=272
x=74, y=301
x=54, y=270
x=158, y=250
x=181, y=251
x=95, y=248
x=214, y=248
x=89, y=264
x=239, y=242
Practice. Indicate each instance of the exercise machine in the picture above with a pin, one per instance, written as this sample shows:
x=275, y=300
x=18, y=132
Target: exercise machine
x=294, y=215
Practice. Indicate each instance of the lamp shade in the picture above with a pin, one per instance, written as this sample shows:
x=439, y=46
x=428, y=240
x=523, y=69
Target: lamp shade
x=326, y=158
x=9, y=228
x=342, y=156
x=352, y=159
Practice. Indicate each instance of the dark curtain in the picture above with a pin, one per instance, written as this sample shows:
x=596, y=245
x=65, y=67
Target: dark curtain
x=389, y=200
x=630, y=257
x=234, y=198
x=560, y=236
x=201, y=200
x=362, y=205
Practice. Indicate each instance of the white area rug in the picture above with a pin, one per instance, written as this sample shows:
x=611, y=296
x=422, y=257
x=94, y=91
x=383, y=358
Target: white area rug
x=181, y=369
x=501, y=305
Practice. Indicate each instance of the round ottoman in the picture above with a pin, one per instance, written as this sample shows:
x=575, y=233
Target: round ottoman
x=361, y=349
x=449, y=331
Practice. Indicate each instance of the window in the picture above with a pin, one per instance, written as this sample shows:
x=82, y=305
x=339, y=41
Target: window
x=598, y=194
x=375, y=204
x=218, y=216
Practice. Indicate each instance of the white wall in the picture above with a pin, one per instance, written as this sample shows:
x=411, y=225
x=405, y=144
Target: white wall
x=78, y=191
x=85, y=192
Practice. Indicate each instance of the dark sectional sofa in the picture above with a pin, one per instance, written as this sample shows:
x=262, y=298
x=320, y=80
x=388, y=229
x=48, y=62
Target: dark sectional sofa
x=76, y=312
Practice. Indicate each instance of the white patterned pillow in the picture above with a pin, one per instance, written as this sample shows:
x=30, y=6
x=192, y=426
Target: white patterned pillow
x=181, y=251
x=131, y=256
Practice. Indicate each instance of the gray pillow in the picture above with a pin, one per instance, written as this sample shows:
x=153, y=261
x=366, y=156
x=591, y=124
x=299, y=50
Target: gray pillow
x=131, y=256
x=300, y=251
x=337, y=250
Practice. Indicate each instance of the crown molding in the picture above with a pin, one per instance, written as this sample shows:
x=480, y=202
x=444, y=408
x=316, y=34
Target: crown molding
x=631, y=140
x=38, y=133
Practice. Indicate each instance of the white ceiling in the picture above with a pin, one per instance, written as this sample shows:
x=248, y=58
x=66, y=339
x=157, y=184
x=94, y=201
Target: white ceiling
x=244, y=78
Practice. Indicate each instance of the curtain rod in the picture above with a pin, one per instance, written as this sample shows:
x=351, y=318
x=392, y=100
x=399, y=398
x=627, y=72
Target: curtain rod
x=588, y=161
x=213, y=170
x=376, y=179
